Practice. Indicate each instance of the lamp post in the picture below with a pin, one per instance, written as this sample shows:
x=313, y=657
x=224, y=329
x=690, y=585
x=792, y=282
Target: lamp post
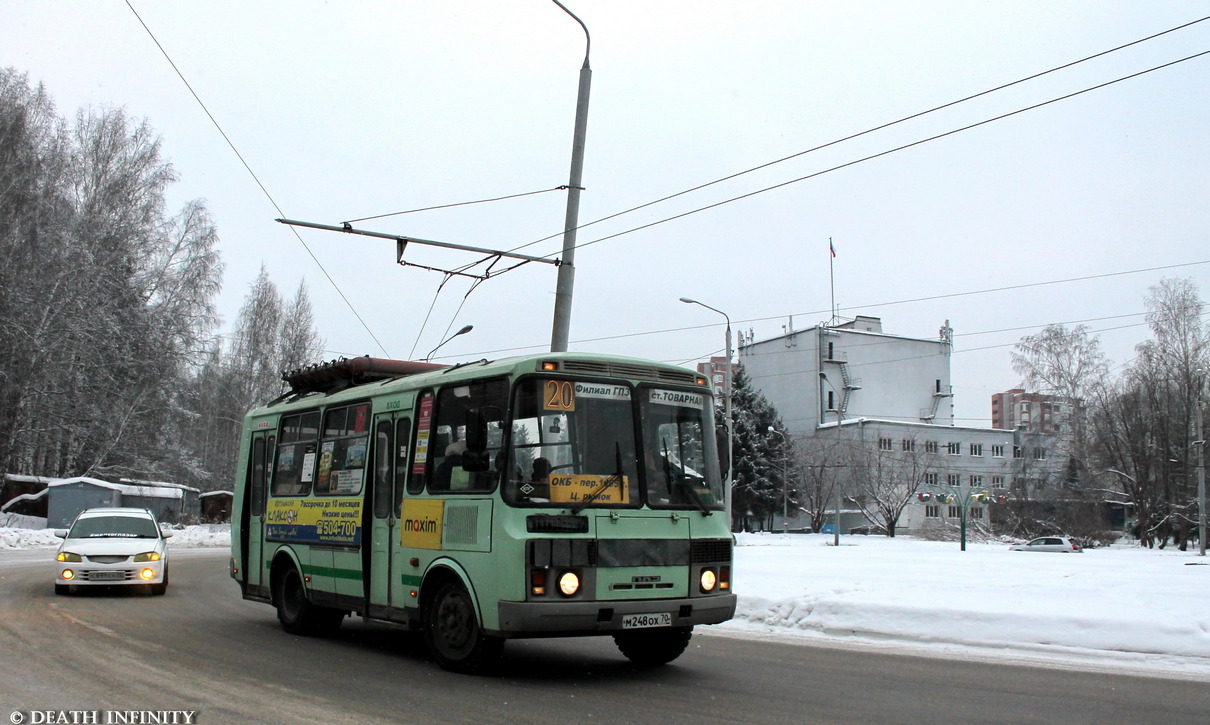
x=785, y=471
x=839, y=417
x=463, y=331
x=730, y=427
x=965, y=495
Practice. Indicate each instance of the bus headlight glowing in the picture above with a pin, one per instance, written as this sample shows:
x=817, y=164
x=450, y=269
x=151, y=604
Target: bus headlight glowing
x=708, y=580
x=569, y=583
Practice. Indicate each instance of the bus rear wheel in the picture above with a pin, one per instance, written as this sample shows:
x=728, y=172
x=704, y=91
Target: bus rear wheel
x=298, y=615
x=653, y=647
x=453, y=634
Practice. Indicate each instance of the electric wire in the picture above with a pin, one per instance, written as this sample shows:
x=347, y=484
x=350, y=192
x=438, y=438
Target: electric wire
x=255, y=178
x=461, y=203
x=881, y=154
x=871, y=130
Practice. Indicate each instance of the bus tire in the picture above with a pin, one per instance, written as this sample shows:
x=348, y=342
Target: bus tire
x=653, y=647
x=296, y=612
x=452, y=632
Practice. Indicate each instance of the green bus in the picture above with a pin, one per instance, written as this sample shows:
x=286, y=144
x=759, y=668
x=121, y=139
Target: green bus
x=539, y=496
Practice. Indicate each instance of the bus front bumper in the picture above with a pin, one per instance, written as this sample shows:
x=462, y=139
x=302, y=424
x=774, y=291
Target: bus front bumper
x=519, y=619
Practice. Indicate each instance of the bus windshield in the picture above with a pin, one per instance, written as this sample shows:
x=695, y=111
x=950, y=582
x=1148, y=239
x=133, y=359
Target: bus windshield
x=573, y=444
x=677, y=450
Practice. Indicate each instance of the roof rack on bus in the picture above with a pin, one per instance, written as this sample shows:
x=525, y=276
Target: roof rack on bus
x=335, y=375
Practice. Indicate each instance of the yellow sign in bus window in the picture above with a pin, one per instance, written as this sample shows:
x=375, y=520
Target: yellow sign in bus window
x=586, y=488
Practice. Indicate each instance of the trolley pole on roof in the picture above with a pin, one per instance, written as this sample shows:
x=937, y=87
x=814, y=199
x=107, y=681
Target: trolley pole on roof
x=567, y=270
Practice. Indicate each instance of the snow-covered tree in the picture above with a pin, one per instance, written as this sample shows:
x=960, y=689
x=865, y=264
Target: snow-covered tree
x=757, y=456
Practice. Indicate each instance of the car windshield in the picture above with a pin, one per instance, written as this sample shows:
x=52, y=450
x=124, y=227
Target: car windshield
x=126, y=527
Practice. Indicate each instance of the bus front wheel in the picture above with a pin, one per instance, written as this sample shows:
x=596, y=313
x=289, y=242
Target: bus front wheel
x=297, y=614
x=653, y=647
x=452, y=631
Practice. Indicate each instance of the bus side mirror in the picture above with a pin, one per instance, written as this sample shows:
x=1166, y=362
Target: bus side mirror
x=724, y=460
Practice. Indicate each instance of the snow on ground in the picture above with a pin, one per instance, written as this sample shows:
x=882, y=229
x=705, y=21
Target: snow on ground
x=1122, y=608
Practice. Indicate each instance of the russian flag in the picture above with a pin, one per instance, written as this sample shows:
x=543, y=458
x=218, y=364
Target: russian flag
x=831, y=247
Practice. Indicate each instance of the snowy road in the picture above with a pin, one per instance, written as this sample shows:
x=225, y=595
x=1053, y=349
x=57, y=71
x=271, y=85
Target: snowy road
x=202, y=648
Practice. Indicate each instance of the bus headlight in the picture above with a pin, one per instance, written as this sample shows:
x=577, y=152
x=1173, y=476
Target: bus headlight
x=708, y=580
x=569, y=583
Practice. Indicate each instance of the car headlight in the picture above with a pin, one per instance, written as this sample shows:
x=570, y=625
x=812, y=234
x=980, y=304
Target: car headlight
x=147, y=556
x=68, y=556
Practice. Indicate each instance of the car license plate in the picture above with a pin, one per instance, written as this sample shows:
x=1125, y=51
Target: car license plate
x=638, y=621
x=107, y=576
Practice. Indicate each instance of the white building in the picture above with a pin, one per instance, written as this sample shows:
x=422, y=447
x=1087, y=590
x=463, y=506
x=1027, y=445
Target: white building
x=892, y=395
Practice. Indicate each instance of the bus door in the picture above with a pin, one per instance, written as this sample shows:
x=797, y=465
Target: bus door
x=392, y=434
x=253, y=513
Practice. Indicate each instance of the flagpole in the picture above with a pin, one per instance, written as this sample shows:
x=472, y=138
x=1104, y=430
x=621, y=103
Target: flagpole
x=832, y=277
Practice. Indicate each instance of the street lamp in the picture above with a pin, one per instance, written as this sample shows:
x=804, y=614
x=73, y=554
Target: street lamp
x=730, y=427
x=785, y=471
x=839, y=417
x=463, y=331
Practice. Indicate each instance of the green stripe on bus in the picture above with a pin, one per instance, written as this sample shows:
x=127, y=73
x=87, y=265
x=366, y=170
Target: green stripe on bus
x=331, y=571
x=409, y=580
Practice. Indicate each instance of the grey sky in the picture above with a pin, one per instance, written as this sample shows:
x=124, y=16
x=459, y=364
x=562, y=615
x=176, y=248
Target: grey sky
x=347, y=110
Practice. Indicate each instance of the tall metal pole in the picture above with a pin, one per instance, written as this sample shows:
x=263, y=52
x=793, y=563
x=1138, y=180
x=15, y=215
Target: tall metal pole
x=1201, y=473
x=567, y=270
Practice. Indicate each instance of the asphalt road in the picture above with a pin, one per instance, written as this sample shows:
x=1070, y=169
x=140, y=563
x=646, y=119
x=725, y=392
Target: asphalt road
x=201, y=648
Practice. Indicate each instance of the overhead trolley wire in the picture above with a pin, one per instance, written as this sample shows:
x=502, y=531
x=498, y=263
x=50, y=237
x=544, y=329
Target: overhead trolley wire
x=858, y=134
x=255, y=178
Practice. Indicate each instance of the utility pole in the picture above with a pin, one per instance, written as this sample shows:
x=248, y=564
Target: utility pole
x=1201, y=472
x=567, y=270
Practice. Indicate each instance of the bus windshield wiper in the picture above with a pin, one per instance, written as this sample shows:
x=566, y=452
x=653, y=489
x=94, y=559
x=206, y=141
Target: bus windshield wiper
x=681, y=480
x=605, y=482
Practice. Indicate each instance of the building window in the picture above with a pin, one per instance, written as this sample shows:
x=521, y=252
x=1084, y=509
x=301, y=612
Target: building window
x=997, y=481
x=976, y=449
x=1018, y=452
x=930, y=479
x=831, y=400
x=954, y=512
x=953, y=479
x=977, y=513
x=909, y=445
x=885, y=444
x=976, y=481
x=998, y=451
x=1039, y=453
x=932, y=512
x=954, y=449
x=930, y=446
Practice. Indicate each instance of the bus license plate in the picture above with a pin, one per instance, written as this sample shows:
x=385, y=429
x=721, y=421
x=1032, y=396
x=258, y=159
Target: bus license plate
x=637, y=621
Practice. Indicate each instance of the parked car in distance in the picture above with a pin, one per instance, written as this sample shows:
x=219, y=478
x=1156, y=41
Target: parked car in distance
x=112, y=547
x=1059, y=544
